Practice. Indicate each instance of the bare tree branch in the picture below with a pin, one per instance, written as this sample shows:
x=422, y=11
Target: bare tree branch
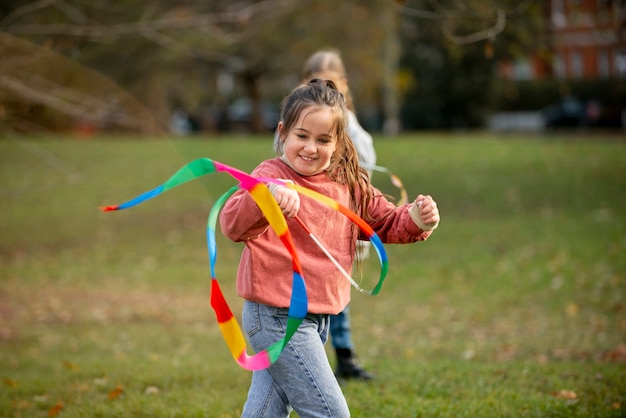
x=422, y=14
x=74, y=104
x=442, y=13
x=74, y=14
x=449, y=15
x=26, y=77
x=490, y=33
x=24, y=10
x=124, y=29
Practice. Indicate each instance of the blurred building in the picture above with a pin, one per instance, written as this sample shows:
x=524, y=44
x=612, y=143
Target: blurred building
x=583, y=39
x=581, y=54
x=588, y=38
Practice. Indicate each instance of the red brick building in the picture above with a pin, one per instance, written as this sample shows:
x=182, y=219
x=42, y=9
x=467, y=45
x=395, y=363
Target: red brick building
x=588, y=38
x=584, y=39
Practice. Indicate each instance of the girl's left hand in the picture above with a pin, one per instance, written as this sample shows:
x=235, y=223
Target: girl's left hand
x=429, y=213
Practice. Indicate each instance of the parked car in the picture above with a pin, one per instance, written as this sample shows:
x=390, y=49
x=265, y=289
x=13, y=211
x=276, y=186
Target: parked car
x=572, y=112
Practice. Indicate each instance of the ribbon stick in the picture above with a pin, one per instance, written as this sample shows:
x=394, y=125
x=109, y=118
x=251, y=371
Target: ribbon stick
x=258, y=190
x=395, y=180
x=331, y=258
x=373, y=237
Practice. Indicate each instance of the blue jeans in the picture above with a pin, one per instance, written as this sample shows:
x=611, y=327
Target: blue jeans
x=301, y=379
x=340, y=334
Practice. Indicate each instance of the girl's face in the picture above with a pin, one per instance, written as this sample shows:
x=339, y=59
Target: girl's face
x=310, y=144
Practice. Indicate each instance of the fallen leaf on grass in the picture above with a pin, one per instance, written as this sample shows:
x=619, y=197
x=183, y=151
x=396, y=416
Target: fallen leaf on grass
x=152, y=390
x=572, y=310
x=21, y=404
x=115, y=393
x=10, y=382
x=565, y=394
x=618, y=354
x=55, y=410
x=70, y=365
x=40, y=398
x=81, y=387
x=100, y=381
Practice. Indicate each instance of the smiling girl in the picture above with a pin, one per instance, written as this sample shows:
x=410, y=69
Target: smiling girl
x=315, y=152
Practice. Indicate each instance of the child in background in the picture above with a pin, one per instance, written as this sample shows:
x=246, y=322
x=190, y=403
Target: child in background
x=327, y=64
x=313, y=151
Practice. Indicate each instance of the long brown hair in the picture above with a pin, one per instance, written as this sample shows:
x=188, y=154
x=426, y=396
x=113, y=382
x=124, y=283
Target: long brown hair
x=344, y=165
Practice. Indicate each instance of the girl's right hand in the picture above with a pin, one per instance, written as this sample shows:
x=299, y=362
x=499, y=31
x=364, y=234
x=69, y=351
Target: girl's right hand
x=288, y=200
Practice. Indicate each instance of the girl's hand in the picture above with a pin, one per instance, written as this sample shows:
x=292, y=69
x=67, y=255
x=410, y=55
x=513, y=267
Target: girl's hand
x=427, y=212
x=288, y=200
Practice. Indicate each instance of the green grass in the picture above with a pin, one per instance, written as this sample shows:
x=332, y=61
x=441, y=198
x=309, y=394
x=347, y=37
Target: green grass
x=514, y=307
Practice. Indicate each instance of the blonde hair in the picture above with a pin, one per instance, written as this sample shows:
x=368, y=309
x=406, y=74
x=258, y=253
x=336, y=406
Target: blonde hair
x=326, y=60
x=344, y=164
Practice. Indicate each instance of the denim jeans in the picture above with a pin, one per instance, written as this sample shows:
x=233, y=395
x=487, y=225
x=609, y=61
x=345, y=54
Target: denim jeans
x=301, y=379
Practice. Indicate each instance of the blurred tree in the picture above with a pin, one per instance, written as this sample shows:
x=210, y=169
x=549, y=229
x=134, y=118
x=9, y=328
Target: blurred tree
x=450, y=49
x=177, y=55
x=170, y=55
x=43, y=90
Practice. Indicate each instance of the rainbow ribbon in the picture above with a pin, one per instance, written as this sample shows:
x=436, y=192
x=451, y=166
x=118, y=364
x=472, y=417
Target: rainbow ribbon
x=298, y=307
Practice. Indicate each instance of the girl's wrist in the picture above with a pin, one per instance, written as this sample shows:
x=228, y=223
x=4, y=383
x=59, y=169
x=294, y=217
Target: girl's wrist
x=415, y=214
x=273, y=186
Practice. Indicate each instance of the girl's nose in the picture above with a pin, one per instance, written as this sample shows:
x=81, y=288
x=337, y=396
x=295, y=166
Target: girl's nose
x=310, y=146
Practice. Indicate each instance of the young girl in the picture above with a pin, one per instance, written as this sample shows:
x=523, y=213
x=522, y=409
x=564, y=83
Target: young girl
x=327, y=64
x=315, y=152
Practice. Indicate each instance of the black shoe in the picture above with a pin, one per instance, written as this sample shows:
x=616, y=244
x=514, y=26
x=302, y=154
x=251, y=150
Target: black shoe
x=348, y=366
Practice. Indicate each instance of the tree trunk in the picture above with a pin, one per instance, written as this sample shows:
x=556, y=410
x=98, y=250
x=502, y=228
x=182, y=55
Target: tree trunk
x=391, y=58
x=251, y=80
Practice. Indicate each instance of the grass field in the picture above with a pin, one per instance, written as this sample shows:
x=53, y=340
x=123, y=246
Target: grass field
x=515, y=307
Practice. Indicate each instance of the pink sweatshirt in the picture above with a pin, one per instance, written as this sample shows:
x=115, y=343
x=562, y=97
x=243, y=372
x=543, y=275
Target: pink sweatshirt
x=265, y=269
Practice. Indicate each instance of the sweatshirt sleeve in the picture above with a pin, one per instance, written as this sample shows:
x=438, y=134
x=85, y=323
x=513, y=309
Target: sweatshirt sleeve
x=241, y=219
x=392, y=223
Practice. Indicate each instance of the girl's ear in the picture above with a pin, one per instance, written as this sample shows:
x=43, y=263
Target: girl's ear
x=280, y=128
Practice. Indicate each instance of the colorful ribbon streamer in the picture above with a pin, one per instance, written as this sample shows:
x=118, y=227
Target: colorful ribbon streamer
x=258, y=190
